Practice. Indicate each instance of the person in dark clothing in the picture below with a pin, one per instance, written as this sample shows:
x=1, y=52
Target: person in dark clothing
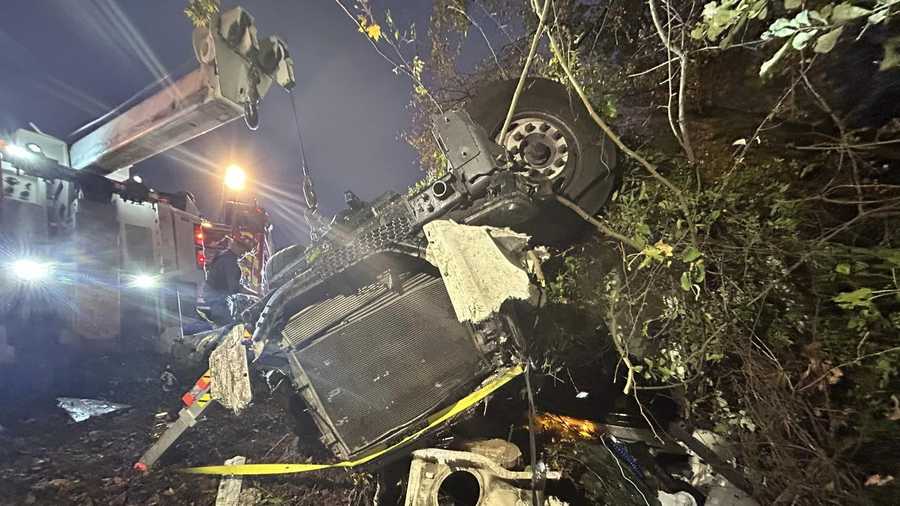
x=223, y=279
x=224, y=275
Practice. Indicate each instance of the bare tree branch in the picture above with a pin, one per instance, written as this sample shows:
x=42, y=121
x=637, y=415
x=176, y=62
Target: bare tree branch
x=483, y=36
x=683, y=137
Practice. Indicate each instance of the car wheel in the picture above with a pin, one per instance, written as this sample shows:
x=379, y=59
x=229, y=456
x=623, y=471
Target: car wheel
x=552, y=133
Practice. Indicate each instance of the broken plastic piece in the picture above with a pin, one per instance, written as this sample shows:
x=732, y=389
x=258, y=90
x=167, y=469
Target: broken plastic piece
x=82, y=409
x=482, y=267
x=229, y=372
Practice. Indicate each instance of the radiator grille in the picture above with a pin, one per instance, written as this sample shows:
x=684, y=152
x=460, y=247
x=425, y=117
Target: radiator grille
x=390, y=362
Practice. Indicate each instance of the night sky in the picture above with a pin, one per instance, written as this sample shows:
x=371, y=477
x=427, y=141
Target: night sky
x=64, y=63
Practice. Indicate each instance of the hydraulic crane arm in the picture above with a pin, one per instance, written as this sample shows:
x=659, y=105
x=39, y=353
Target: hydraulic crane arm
x=236, y=70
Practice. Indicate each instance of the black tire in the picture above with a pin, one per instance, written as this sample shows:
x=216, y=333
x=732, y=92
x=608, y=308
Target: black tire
x=279, y=263
x=590, y=174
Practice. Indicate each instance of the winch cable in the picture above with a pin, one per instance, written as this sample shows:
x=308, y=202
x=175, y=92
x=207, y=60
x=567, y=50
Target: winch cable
x=536, y=492
x=306, y=182
x=436, y=420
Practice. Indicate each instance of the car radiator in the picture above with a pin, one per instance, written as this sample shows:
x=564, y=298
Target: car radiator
x=378, y=361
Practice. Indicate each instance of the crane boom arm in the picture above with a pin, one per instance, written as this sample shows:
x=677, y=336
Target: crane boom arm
x=184, y=110
x=235, y=72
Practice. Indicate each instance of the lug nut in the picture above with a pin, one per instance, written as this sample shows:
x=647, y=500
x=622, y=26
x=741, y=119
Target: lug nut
x=529, y=128
x=518, y=136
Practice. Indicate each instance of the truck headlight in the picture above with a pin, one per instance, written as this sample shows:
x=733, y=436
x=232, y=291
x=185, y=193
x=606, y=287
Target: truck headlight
x=31, y=271
x=144, y=281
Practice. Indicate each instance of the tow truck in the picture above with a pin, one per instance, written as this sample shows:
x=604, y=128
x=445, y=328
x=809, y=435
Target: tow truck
x=92, y=255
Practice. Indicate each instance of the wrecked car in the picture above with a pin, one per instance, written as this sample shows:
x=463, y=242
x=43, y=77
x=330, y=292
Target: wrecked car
x=366, y=321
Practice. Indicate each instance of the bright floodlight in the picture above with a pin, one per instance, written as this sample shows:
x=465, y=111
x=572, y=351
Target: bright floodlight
x=235, y=177
x=16, y=151
x=145, y=281
x=31, y=270
x=138, y=179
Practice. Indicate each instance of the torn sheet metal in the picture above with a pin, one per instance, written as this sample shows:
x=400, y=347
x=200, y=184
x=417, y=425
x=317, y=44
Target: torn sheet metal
x=436, y=475
x=230, y=373
x=719, y=491
x=482, y=267
x=82, y=409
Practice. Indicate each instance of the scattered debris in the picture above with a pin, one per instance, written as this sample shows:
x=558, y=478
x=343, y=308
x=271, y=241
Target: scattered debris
x=168, y=379
x=500, y=451
x=56, y=483
x=677, y=499
x=711, y=471
x=437, y=475
x=894, y=413
x=271, y=373
x=878, y=481
x=230, y=486
x=250, y=497
x=82, y=409
x=229, y=372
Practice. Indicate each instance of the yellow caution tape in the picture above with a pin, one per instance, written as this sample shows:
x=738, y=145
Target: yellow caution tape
x=437, y=419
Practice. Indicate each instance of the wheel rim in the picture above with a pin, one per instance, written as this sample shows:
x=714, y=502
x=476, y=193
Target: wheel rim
x=540, y=142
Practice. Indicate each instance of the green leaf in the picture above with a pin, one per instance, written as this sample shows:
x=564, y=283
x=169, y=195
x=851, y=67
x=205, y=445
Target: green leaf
x=847, y=12
x=821, y=17
x=889, y=254
x=780, y=28
x=801, y=19
x=825, y=43
x=700, y=275
x=691, y=254
x=766, y=67
x=698, y=32
x=686, y=281
x=858, y=297
x=790, y=5
x=642, y=229
x=842, y=269
x=799, y=41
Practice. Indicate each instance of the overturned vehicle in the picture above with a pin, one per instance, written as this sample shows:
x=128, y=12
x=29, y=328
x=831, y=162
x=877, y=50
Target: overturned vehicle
x=398, y=311
x=410, y=309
